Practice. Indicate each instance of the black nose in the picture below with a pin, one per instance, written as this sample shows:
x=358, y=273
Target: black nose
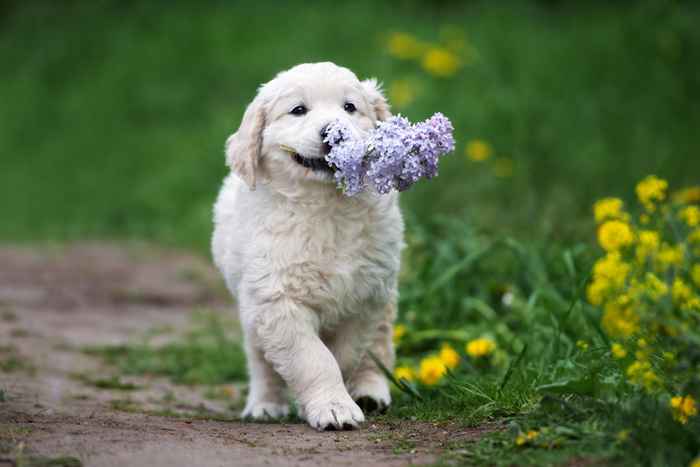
x=324, y=132
x=325, y=147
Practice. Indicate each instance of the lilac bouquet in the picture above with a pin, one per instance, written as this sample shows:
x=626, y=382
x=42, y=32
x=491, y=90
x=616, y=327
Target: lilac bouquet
x=394, y=156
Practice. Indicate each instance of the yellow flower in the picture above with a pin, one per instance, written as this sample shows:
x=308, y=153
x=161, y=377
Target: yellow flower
x=623, y=435
x=404, y=372
x=480, y=347
x=669, y=256
x=524, y=438
x=651, y=190
x=615, y=234
x=608, y=208
x=655, y=287
x=581, y=344
x=640, y=373
x=404, y=46
x=649, y=241
x=440, y=62
x=449, y=356
x=690, y=215
x=399, y=332
x=687, y=195
x=503, y=167
x=680, y=291
x=401, y=93
x=695, y=274
x=596, y=291
x=478, y=150
x=431, y=371
x=695, y=463
x=619, y=320
x=683, y=407
x=612, y=268
x=618, y=351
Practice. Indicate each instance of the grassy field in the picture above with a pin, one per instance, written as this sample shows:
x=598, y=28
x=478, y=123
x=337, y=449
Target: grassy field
x=113, y=123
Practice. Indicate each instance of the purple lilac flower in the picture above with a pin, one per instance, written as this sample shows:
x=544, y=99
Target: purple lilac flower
x=394, y=156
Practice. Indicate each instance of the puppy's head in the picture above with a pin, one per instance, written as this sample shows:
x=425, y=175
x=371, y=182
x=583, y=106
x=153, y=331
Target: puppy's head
x=281, y=135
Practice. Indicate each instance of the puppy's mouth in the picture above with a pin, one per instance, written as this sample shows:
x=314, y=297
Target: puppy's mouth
x=317, y=164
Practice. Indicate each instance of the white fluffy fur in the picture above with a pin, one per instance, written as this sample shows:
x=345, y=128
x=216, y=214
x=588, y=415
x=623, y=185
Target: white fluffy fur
x=314, y=272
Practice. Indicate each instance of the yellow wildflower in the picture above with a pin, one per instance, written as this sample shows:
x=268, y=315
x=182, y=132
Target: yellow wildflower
x=480, y=347
x=404, y=46
x=404, y=372
x=619, y=320
x=440, y=62
x=651, y=190
x=399, y=332
x=640, y=373
x=431, y=370
x=622, y=435
x=695, y=463
x=680, y=291
x=401, y=93
x=669, y=256
x=524, y=438
x=690, y=215
x=683, y=407
x=615, y=234
x=608, y=208
x=478, y=150
x=649, y=241
x=612, y=268
x=581, y=344
x=596, y=291
x=618, y=351
x=449, y=356
x=655, y=287
x=695, y=274
x=687, y=195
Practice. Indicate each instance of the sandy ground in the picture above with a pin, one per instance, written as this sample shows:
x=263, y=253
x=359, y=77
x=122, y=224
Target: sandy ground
x=55, y=301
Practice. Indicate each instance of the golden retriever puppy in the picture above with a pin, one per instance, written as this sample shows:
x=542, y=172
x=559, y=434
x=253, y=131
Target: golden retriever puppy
x=314, y=271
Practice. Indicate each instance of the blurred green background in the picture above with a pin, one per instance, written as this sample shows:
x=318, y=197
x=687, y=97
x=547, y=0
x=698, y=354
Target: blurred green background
x=113, y=115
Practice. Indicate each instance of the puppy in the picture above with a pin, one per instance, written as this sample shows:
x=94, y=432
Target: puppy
x=314, y=272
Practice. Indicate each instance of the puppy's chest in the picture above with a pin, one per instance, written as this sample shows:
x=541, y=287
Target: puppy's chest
x=338, y=260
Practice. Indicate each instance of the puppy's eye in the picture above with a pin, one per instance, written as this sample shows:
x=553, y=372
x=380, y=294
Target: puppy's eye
x=349, y=107
x=299, y=110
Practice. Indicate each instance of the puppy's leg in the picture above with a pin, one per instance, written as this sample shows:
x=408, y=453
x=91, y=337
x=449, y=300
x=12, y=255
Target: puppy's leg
x=367, y=384
x=266, y=398
x=288, y=335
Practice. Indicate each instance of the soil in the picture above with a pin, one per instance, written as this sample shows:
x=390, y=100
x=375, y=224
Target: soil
x=54, y=301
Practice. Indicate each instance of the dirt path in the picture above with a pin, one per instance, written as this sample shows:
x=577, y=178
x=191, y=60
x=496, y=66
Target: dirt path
x=55, y=301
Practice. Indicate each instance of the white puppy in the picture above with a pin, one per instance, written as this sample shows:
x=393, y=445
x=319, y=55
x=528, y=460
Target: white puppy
x=314, y=271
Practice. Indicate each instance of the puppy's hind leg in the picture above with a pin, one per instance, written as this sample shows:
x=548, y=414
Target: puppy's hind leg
x=266, y=395
x=367, y=384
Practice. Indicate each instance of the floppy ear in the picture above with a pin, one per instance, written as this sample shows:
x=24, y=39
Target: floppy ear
x=375, y=96
x=244, y=146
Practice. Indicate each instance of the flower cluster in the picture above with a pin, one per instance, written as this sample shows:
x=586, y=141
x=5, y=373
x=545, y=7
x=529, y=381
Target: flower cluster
x=393, y=156
x=441, y=60
x=432, y=368
x=647, y=285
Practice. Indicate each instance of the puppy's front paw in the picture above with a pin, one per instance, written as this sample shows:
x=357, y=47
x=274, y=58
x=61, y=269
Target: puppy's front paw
x=265, y=411
x=372, y=393
x=337, y=414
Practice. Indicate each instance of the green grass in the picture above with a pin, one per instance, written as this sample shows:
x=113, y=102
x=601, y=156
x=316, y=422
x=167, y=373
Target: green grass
x=207, y=354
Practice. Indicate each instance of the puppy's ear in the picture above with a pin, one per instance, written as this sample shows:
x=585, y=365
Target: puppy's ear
x=244, y=146
x=375, y=96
